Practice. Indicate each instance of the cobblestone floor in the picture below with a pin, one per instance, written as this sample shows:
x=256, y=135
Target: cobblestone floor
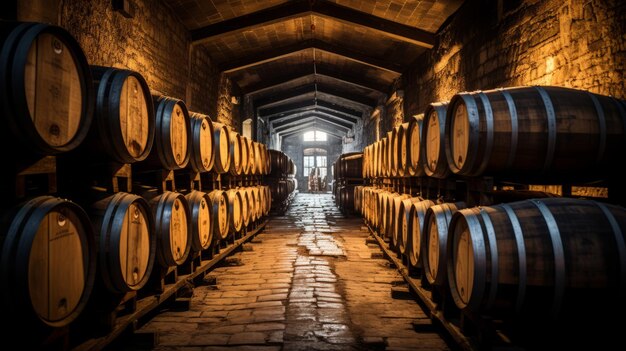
x=309, y=283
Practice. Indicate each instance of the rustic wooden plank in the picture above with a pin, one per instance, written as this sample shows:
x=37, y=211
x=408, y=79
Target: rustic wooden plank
x=299, y=119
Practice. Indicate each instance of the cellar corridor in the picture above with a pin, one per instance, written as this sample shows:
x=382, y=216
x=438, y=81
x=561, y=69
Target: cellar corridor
x=309, y=281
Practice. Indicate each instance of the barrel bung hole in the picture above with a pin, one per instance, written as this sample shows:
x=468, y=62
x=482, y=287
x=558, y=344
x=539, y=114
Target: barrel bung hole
x=61, y=219
x=135, y=275
x=57, y=46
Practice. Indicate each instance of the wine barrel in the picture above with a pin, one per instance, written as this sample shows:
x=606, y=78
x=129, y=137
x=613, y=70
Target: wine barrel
x=245, y=207
x=126, y=242
x=538, y=257
x=401, y=152
x=433, y=147
x=394, y=214
x=172, y=143
x=235, y=154
x=220, y=215
x=48, y=261
x=221, y=148
x=202, y=142
x=358, y=198
x=252, y=157
x=267, y=200
x=235, y=205
x=258, y=206
x=415, y=229
x=435, y=243
x=402, y=232
x=124, y=116
x=172, y=228
x=351, y=165
x=47, y=97
x=415, y=166
x=393, y=152
x=535, y=131
x=201, y=223
x=245, y=156
x=381, y=210
x=276, y=159
x=259, y=163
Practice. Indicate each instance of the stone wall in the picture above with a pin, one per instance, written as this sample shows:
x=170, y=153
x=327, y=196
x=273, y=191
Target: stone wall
x=154, y=42
x=490, y=44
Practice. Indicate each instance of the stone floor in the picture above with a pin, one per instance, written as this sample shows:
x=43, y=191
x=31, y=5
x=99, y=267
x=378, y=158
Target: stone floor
x=310, y=282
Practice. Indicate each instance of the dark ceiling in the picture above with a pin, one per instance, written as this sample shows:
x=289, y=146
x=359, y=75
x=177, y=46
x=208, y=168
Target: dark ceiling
x=301, y=60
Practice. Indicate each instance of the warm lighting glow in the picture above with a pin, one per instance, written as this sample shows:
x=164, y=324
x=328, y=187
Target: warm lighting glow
x=315, y=135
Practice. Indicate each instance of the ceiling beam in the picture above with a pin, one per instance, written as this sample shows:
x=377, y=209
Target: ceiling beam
x=329, y=114
x=311, y=88
x=299, y=119
x=327, y=9
x=314, y=125
x=307, y=104
x=358, y=81
x=279, y=81
x=311, y=119
x=288, y=50
x=294, y=132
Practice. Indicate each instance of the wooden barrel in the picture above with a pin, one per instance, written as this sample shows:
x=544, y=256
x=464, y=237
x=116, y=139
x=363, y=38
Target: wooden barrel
x=374, y=164
x=393, y=152
x=415, y=229
x=394, y=214
x=413, y=137
x=245, y=157
x=538, y=257
x=172, y=228
x=433, y=134
x=535, y=131
x=48, y=261
x=402, y=163
x=172, y=142
x=252, y=203
x=260, y=162
x=47, y=97
x=276, y=159
x=235, y=205
x=388, y=214
x=221, y=148
x=252, y=157
x=358, y=198
x=245, y=206
x=351, y=165
x=220, y=214
x=435, y=243
x=381, y=208
x=235, y=154
x=347, y=198
x=126, y=241
x=124, y=116
x=267, y=200
x=201, y=223
x=202, y=142
x=258, y=205
x=402, y=232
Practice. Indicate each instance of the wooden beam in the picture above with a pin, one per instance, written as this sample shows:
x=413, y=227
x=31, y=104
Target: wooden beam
x=293, y=132
x=316, y=120
x=327, y=9
x=275, y=14
x=297, y=119
x=287, y=108
x=288, y=50
x=336, y=77
x=389, y=28
x=358, y=81
x=316, y=125
x=322, y=111
x=311, y=88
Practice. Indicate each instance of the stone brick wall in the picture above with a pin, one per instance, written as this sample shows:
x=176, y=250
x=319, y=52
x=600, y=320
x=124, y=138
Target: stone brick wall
x=154, y=43
x=491, y=44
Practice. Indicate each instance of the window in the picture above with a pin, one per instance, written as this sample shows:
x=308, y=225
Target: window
x=309, y=162
x=315, y=135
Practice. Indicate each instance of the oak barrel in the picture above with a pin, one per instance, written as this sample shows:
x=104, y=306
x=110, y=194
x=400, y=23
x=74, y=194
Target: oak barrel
x=401, y=152
x=172, y=140
x=394, y=216
x=124, y=123
x=47, y=97
x=220, y=214
x=48, y=261
x=126, y=241
x=221, y=148
x=202, y=143
x=413, y=135
x=415, y=231
x=245, y=206
x=402, y=233
x=172, y=228
x=235, y=205
x=435, y=243
x=235, y=154
x=201, y=221
x=535, y=131
x=245, y=156
x=538, y=257
x=433, y=136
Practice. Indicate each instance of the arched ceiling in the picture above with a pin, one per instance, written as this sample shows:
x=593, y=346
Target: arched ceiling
x=321, y=63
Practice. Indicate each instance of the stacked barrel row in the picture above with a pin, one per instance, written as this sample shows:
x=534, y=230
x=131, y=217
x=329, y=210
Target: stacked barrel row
x=520, y=260
x=281, y=179
x=82, y=127
x=348, y=174
x=528, y=133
